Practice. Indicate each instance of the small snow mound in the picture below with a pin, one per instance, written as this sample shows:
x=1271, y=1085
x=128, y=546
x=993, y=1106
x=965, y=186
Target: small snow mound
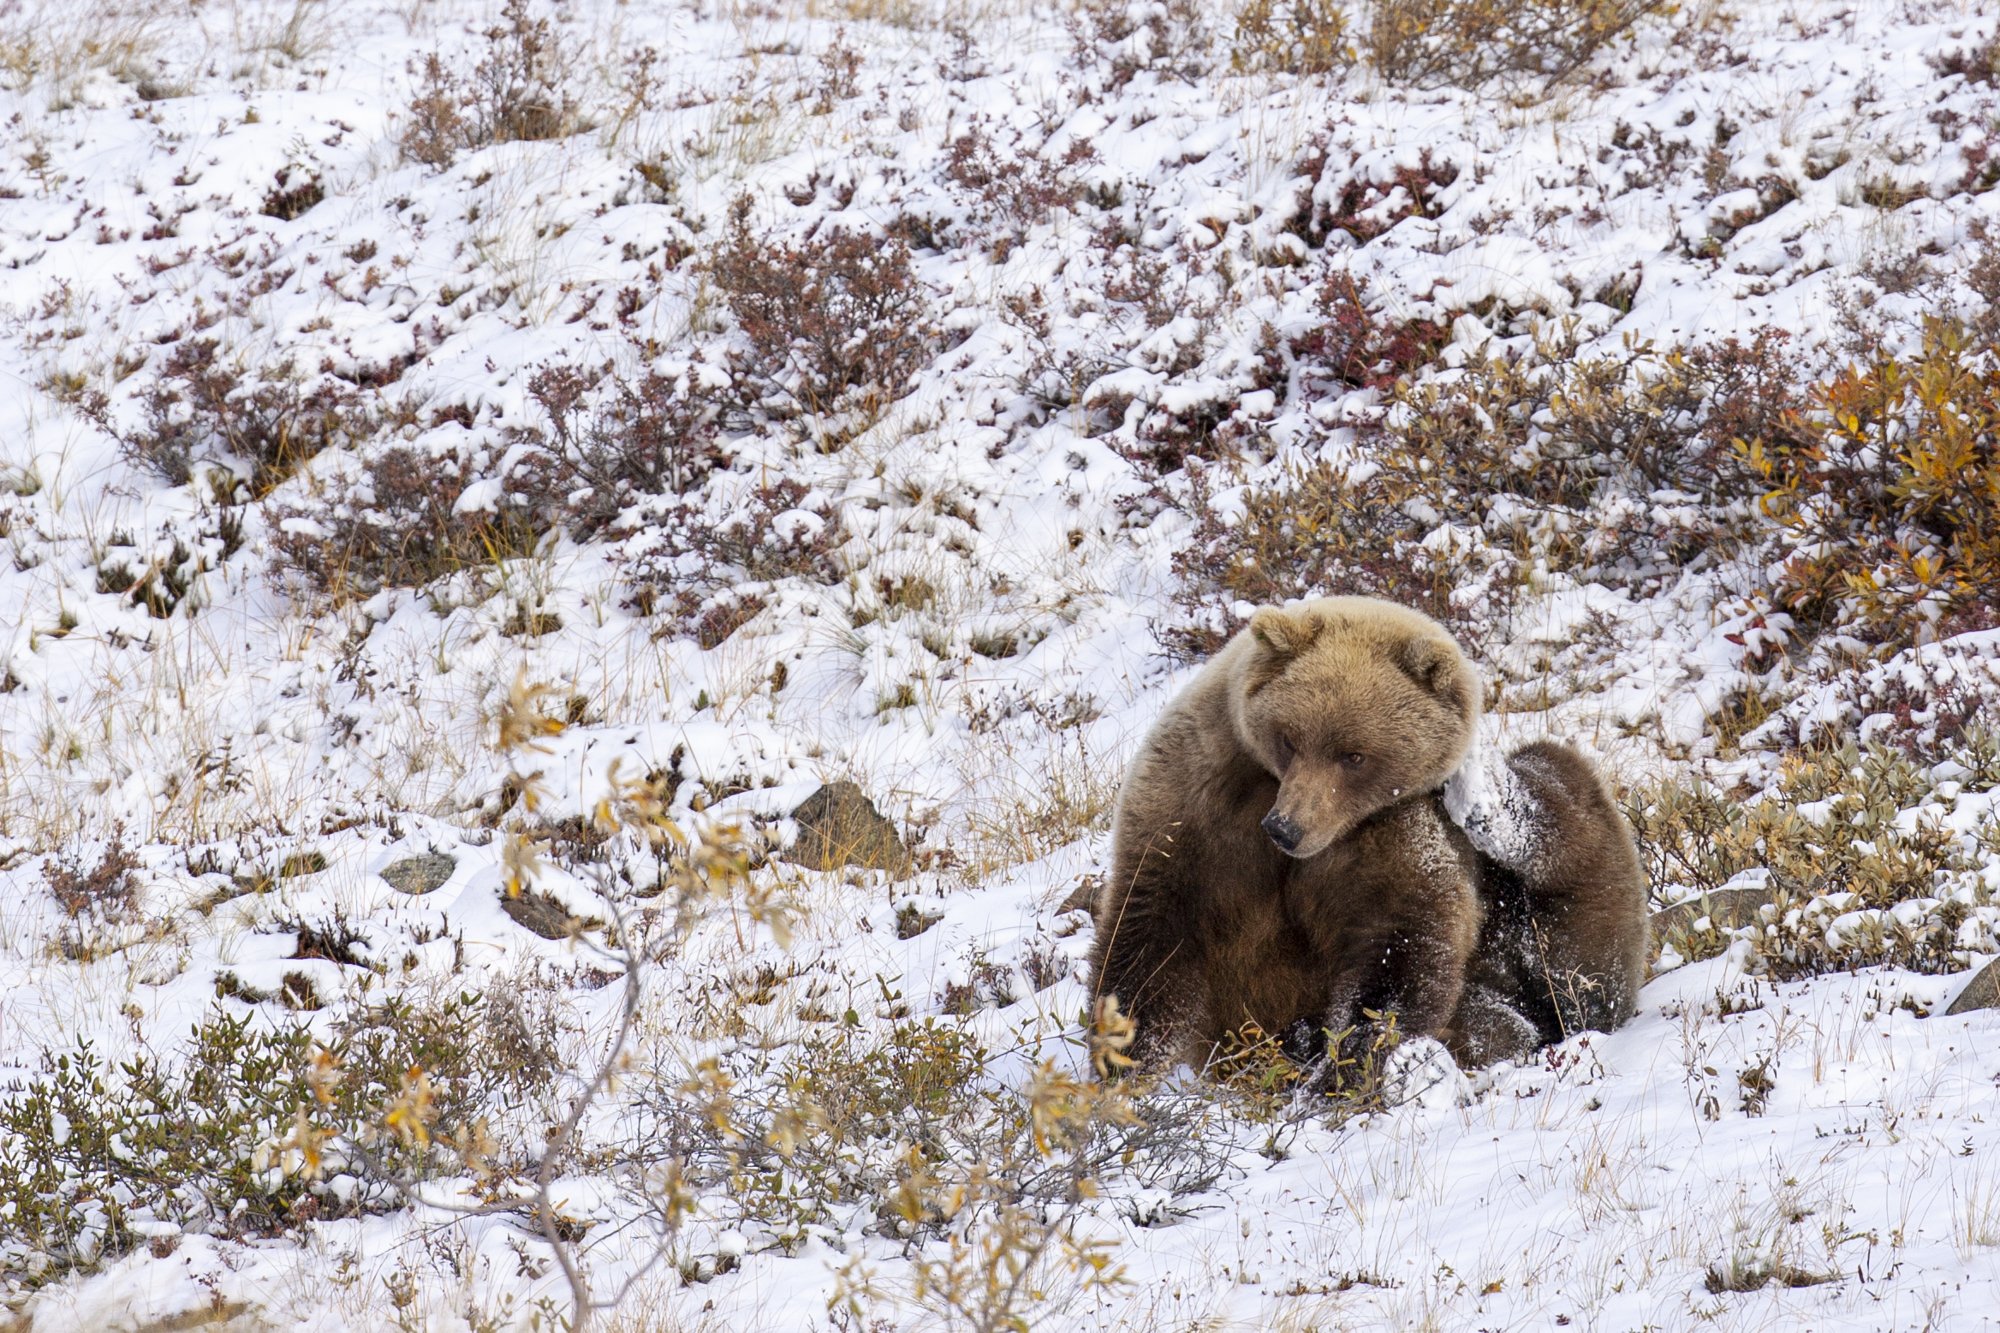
x=479, y=497
x=1421, y=1072
x=798, y=526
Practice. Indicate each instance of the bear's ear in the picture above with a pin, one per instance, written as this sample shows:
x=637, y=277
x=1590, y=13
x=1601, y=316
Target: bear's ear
x=1434, y=664
x=1285, y=633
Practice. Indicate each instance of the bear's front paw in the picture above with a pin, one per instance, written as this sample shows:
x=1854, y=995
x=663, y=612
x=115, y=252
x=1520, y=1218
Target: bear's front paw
x=1345, y=1063
x=1498, y=812
x=1487, y=1029
x=1303, y=1043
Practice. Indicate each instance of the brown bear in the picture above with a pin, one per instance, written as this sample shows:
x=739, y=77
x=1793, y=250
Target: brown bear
x=1564, y=945
x=1283, y=855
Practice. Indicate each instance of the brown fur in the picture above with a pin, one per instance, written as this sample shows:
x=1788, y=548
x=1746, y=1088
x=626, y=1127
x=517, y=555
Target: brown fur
x=1204, y=925
x=1564, y=944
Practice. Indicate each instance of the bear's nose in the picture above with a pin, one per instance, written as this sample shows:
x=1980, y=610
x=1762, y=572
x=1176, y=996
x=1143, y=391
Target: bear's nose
x=1282, y=830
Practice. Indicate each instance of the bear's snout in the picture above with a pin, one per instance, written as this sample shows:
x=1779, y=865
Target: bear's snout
x=1283, y=831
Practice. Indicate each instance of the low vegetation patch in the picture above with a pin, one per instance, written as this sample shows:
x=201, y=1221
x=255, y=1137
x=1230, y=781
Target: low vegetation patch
x=1463, y=43
x=1312, y=532
x=396, y=521
x=711, y=572
x=519, y=89
x=1623, y=469
x=246, y=1131
x=833, y=327
x=1890, y=503
x=1850, y=851
x=1295, y=36
x=205, y=405
x=610, y=440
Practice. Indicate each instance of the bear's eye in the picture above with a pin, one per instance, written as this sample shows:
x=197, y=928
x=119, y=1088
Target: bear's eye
x=1284, y=751
x=1354, y=760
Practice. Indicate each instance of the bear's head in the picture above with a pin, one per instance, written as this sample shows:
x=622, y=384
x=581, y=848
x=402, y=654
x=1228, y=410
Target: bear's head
x=1352, y=704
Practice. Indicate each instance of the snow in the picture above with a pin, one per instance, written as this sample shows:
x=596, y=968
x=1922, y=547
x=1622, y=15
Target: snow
x=1617, y=1182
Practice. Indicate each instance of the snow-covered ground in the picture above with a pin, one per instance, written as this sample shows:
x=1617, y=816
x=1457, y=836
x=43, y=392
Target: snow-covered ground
x=955, y=597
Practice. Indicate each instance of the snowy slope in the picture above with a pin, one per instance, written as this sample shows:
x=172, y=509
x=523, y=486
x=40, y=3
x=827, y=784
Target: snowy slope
x=960, y=609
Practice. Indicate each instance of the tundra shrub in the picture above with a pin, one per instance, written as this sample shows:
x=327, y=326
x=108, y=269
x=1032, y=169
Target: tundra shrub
x=1851, y=847
x=1354, y=345
x=1291, y=36
x=397, y=524
x=518, y=90
x=1891, y=502
x=1620, y=468
x=1170, y=39
x=711, y=562
x=1312, y=532
x=911, y=1122
x=245, y=1132
x=610, y=440
x=1628, y=465
x=834, y=326
x=1433, y=43
x=201, y=405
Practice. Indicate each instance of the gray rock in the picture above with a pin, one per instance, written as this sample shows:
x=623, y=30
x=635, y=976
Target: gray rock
x=420, y=874
x=1982, y=992
x=840, y=826
x=1727, y=908
x=544, y=915
x=1083, y=897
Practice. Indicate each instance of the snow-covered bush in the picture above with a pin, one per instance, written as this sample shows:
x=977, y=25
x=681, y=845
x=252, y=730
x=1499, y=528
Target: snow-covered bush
x=612, y=439
x=1436, y=43
x=711, y=562
x=1891, y=502
x=204, y=404
x=520, y=89
x=1857, y=853
x=1616, y=468
x=834, y=326
x=1310, y=532
x=1594, y=462
x=1170, y=39
x=399, y=519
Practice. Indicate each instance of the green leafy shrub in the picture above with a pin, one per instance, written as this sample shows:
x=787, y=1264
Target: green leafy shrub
x=249, y=1129
x=95, y=1160
x=914, y=1122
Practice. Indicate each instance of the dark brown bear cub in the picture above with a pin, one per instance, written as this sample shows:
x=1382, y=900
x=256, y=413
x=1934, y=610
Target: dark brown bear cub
x=1563, y=948
x=1282, y=855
